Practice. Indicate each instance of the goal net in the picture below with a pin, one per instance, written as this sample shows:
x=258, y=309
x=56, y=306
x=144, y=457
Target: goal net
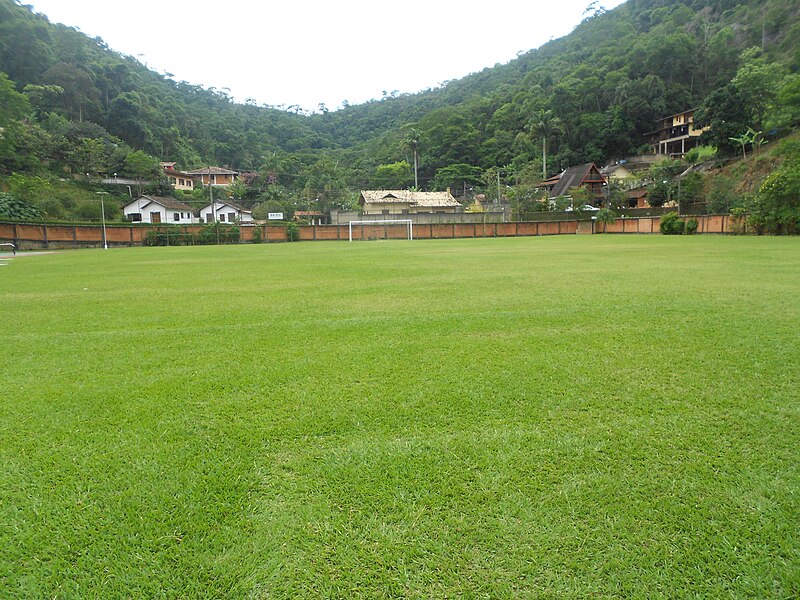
x=386, y=229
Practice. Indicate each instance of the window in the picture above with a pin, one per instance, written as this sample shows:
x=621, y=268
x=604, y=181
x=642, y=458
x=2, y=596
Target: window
x=222, y=218
x=231, y=217
x=135, y=217
x=176, y=216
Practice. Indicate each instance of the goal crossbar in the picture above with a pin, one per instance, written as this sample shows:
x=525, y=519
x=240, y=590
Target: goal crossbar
x=409, y=225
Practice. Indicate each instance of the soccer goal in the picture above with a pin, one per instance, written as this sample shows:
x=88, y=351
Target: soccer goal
x=409, y=226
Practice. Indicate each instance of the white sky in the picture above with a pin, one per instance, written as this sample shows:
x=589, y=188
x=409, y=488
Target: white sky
x=312, y=51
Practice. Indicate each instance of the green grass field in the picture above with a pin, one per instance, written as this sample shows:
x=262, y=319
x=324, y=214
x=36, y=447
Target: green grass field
x=599, y=416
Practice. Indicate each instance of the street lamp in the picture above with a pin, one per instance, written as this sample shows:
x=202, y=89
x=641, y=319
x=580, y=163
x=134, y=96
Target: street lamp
x=103, y=215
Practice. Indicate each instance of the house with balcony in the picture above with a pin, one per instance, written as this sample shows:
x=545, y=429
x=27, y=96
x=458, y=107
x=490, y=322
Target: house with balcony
x=675, y=135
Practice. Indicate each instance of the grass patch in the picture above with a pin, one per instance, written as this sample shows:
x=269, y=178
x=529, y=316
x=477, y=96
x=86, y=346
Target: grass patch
x=575, y=416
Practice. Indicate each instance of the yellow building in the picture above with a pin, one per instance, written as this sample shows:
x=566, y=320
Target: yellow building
x=216, y=176
x=675, y=135
x=406, y=202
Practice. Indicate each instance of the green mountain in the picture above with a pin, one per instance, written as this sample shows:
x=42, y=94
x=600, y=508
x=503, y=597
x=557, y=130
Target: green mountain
x=72, y=104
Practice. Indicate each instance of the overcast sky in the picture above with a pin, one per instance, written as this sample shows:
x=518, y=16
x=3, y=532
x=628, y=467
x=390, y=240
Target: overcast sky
x=312, y=52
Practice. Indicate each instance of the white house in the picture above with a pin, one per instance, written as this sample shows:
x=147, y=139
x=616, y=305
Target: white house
x=158, y=209
x=226, y=211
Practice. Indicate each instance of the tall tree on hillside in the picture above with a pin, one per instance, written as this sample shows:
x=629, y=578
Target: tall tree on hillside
x=412, y=143
x=544, y=124
x=727, y=114
x=324, y=184
x=80, y=97
x=394, y=176
x=141, y=167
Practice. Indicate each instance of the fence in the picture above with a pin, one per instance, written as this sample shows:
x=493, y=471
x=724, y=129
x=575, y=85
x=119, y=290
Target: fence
x=37, y=236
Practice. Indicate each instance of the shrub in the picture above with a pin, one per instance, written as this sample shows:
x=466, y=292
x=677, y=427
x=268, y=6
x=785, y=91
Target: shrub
x=229, y=234
x=292, y=231
x=607, y=217
x=14, y=208
x=214, y=233
x=777, y=205
x=738, y=221
x=671, y=224
x=256, y=235
x=700, y=154
x=171, y=235
x=691, y=226
x=207, y=234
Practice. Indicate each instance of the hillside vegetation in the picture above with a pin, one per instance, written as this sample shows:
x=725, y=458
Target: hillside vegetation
x=70, y=104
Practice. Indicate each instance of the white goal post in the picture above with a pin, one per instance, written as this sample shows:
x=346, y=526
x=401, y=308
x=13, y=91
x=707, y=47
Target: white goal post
x=408, y=222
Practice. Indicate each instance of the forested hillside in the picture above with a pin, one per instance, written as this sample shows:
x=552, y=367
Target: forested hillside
x=69, y=104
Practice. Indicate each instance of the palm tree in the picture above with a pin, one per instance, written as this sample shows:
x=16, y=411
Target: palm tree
x=412, y=142
x=543, y=123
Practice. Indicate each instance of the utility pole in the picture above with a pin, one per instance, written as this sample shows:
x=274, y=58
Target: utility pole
x=213, y=204
x=103, y=215
x=416, y=182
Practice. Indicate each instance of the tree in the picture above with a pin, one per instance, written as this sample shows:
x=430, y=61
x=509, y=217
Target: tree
x=777, y=205
x=127, y=118
x=544, y=124
x=412, y=142
x=457, y=177
x=664, y=183
x=88, y=156
x=607, y=217
x=392, y=177
x=727, y=114
x=141, y=166
x=79, y=96
x=13, y=105
x=744, y=138
x=758, y=82
x=324, y=184
x=29, y=188
x=787, y=103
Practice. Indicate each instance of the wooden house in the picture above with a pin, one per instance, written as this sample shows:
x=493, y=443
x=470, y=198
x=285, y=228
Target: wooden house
x=581, y=176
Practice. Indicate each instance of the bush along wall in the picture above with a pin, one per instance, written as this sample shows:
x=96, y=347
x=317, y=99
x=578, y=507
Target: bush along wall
x=672, y=224
x=175, y=236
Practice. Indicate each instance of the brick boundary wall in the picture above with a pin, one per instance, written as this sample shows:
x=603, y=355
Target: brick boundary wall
x=42, y=236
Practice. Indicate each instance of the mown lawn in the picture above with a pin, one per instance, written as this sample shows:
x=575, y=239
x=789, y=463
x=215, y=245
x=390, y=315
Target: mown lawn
x=598, y=416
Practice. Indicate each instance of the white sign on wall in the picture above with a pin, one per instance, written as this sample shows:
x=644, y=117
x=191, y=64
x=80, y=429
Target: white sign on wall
x=275, y=216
